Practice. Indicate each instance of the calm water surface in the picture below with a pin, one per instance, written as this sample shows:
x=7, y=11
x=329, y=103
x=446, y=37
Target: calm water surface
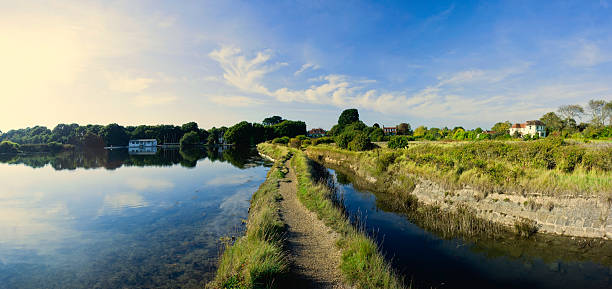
x=431, y=261
x=121, y=219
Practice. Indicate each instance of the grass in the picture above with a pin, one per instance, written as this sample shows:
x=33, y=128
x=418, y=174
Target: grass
x=257, y=260
x=546, y=167
x=362, y=264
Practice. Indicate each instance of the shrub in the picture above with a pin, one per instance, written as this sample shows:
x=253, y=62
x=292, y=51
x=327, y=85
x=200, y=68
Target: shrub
x=295, y=143
x=360, y=142
x=190, y=138
x=326, y=139
x=9, y=147
x=343, y=139
x=398, y=142
x=281, y=140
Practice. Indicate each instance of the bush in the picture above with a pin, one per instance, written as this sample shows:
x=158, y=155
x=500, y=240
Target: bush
x=281, y=140
x=326, y=139
x=295, y=143
x=190, y=138
x=9, y=147
x=343, y=139
x=360, y=142
x=398, y=142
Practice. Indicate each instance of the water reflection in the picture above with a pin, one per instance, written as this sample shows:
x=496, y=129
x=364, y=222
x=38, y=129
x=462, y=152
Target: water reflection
x=111, y=219
x=441, y=261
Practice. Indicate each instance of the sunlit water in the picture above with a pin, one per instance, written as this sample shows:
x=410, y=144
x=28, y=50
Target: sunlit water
x=120, y=220
x=429, y=261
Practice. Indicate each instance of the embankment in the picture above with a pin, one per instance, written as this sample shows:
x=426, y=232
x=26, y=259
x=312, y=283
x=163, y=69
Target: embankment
x=361, y=263
x=485, y=190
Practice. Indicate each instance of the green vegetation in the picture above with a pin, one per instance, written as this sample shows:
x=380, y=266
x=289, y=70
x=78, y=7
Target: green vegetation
x=547, y=166
x=361, y=263
x=257, y=260
x=246, y=134
x=190, y=138
x=351, y=133
x=9, y=147
x=398, y=142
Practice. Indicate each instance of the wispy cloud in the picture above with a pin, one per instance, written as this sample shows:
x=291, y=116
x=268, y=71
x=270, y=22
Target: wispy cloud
x=589, y=54
x=153, y=99
x=121, y=82
x=443, y=98
x=305, y=67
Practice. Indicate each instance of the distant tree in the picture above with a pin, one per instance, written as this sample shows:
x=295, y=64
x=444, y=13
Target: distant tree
x=404, y=129
x=289, y=128
x=596, y=109
x=272, y=120
x=9, y=147
x=376, y=125
x=114, y=134
x=190, y=126
x=607, y=112
x=190, y=138
x=348, y=116
x=376, y=134
x=240, y=134
x=572, y=111
x=502, y=127
x=478, y=130
x=420, y=131
x=552, y=122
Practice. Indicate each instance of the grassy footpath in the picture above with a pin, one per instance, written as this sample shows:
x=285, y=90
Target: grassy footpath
x=362, y=265
x=257, y=260
x=547, y=167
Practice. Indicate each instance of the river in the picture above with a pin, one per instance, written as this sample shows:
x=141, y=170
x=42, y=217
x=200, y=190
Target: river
x=119, y=219
x=427, y=260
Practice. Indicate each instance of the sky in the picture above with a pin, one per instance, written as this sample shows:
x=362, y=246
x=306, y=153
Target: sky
x=432, y=63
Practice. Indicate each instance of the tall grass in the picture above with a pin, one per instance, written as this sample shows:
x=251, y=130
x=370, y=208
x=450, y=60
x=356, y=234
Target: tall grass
x=362, y=264
x=257, y=260
x=546, y=167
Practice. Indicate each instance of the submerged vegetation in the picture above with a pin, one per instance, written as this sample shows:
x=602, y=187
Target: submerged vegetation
x=257, y=260
x=362, y=264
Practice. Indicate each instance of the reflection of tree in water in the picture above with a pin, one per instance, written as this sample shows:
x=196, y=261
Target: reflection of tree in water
x=112, y=159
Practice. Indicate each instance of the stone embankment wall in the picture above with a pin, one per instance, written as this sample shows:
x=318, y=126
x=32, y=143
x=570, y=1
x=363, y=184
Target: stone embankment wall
x=570, y=216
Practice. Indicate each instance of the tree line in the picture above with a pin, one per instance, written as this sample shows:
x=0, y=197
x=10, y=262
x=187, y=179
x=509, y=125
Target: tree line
x=242, y=134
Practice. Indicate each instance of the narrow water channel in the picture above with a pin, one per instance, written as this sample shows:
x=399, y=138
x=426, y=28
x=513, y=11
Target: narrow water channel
x=427, y=260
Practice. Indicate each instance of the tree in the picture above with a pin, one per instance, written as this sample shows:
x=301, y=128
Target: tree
x=552, y=122
x=376, y=125
x=240, y=134
x=404, y=129
x=607, y=110
x=572, y=111
x=596, y=109
x=502, y=127
x=348, y=116
x=190, y=138
x=114, y=134
x=420, y=131
x=272, y=120
x=377, y=134
x=8, y=147
x=289, y=128
x=190, y=126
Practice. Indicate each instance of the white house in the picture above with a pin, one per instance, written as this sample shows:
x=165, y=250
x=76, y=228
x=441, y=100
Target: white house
x=143, y=143
x=531, y=127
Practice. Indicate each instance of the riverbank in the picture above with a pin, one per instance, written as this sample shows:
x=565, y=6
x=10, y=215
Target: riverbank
x=361, y=262
x=478, y=207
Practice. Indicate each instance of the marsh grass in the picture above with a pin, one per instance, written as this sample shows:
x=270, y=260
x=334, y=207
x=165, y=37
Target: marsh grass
x=258, y=259
x=547, y=167
x=362, y=264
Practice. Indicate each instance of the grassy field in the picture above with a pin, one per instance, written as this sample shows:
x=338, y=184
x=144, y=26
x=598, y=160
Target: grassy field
x=362, y=265
x=548, y=167
x=257, y=260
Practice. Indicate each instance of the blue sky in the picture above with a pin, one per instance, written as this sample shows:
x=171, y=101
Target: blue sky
x=433, y=63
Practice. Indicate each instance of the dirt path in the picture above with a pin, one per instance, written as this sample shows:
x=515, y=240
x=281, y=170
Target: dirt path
x=314, y=256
